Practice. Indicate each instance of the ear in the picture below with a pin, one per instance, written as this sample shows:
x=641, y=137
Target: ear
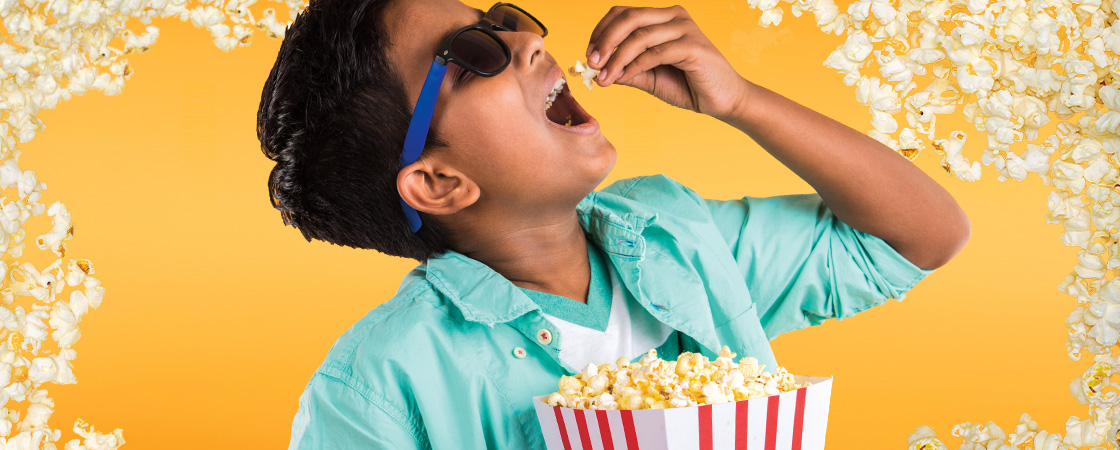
x=435, y=188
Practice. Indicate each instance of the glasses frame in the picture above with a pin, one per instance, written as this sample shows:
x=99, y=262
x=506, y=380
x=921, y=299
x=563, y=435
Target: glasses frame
x=422, y=114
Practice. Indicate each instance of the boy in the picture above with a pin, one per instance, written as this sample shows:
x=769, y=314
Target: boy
x=526, y=272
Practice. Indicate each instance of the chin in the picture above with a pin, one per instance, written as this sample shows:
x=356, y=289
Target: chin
x=613, y=157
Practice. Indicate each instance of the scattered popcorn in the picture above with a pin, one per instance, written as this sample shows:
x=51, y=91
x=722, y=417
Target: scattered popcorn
x=652, y=383
x=925, y=439
x=588, y=74
x=46, y=43
x=1011, y=66
x=1000, y=58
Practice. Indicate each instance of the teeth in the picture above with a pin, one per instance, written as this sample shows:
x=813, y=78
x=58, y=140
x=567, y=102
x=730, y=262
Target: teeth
x=555, y=91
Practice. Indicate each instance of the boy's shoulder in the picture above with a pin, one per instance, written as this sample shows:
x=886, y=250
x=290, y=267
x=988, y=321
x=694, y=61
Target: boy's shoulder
x=651, y=187
x=653, y=194
x=380, y=354
x=401, y=333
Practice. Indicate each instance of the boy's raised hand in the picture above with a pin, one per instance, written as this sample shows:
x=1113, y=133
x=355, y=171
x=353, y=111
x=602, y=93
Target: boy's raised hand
x=662, y=51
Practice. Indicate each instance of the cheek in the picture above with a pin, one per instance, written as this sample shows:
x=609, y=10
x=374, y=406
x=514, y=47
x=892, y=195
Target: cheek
x=498, y=122
x=477, y=110
x=499, y=140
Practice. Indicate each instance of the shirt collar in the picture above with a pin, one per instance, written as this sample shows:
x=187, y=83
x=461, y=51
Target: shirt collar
x=485, y=296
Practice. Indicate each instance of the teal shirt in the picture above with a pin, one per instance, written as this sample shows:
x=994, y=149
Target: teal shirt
x=437, y=365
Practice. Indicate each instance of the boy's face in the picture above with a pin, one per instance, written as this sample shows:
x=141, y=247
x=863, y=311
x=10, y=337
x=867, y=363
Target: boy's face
x=499, y=137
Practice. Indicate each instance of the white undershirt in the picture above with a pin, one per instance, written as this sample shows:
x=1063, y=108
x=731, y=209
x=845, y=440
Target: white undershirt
x=631, y=332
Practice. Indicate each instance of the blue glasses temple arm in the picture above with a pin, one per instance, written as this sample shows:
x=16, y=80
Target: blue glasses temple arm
x=418, y=129
x=422, y=115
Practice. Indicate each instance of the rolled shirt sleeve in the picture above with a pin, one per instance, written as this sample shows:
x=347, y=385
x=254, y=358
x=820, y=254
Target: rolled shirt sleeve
x=334, y=415
x=803, y=265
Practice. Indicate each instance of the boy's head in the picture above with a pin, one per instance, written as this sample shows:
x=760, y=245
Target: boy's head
x=336, y=107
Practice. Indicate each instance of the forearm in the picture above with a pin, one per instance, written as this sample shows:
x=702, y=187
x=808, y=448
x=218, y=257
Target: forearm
x=865, y=183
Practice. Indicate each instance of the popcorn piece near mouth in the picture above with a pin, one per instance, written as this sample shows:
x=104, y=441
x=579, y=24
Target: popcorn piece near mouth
x=588, y=74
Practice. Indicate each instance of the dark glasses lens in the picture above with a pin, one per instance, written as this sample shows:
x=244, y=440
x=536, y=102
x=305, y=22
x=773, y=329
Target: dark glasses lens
x=515, y=19
x=479, y=50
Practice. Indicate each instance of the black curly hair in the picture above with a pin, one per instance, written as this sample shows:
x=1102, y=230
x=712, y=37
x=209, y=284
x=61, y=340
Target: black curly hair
x=333, y=116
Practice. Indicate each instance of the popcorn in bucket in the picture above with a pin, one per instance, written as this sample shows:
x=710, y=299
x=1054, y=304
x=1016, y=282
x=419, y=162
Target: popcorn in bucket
x=685, y=404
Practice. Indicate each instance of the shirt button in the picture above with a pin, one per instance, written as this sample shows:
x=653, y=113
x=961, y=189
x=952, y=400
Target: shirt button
x=544, y=336
x=519, y=352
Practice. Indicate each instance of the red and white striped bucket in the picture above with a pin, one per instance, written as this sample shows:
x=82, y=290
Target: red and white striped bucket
x=794, y=420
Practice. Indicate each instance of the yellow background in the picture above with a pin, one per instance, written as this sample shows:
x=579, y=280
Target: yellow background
x=216, y=314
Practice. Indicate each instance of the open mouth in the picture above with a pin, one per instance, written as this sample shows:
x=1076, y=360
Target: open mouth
x=565, y=111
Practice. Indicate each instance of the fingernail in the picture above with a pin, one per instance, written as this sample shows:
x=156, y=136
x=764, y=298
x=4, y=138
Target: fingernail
x=589, y=47
x=594, y=58
x=602, y=76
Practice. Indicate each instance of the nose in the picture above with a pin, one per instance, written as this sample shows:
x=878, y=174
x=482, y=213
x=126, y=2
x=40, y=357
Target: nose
x=526, y=49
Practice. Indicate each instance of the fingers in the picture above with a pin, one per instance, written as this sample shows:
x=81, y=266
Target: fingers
x=606, y=20
x=643, y=42
x=667, y=53
x=619, y=22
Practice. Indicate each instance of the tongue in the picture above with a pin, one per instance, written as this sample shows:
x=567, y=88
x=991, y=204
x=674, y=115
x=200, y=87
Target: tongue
x=559, y=111
x=563, y=109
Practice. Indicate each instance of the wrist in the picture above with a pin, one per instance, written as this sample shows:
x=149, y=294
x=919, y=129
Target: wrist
x=743, y=105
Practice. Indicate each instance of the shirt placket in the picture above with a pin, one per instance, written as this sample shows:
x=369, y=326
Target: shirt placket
x=628, y=250
x=544, y=334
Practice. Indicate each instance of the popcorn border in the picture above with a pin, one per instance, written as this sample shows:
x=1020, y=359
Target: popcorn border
x=1002, y=54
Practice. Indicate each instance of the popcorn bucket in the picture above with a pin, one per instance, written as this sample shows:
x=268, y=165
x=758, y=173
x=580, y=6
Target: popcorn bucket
x=793, y=420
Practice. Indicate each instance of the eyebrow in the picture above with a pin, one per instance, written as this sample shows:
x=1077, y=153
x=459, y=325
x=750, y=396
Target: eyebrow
x=448, y=33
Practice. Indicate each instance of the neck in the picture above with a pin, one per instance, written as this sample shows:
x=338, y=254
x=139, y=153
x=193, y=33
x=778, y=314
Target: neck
x=547, y=257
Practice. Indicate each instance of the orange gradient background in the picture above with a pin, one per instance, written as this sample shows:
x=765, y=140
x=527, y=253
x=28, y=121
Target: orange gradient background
x=216, y=314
